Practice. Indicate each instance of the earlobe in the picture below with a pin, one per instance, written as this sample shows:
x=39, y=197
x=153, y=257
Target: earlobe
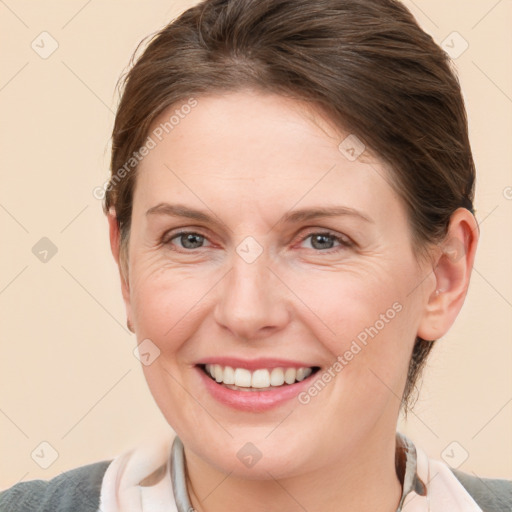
x=452, y=271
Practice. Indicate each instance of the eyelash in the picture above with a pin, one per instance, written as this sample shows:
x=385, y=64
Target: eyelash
x=344, y=241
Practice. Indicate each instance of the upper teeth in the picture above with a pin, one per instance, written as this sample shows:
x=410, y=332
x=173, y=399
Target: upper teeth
x=263, y=378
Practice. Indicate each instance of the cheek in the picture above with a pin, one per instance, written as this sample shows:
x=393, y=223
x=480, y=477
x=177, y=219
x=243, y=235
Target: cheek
x=348, y=302
x=167, y=300
x=366, y=322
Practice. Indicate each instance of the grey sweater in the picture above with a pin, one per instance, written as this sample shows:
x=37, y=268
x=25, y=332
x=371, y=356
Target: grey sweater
x=78, y=490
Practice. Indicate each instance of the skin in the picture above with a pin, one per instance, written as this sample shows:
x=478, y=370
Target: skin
x=248, y=158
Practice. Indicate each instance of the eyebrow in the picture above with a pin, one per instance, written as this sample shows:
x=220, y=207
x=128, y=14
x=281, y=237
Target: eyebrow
x=294, y=216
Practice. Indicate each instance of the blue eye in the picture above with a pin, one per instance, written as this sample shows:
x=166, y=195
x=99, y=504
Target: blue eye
x=320, y=241
x=323, y=241
x=189, y=239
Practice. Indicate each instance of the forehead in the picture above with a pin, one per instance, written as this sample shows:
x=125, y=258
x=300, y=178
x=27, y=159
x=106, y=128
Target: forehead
x=259, y=152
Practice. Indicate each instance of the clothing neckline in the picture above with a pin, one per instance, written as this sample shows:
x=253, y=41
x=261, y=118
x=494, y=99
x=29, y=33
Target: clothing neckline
x=140, y=480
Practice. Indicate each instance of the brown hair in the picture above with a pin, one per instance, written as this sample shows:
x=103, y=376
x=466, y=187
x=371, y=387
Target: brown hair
x=367, y=63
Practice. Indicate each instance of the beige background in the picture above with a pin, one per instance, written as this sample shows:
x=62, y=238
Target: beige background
x=68, y=374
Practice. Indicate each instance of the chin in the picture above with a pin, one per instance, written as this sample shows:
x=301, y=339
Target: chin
x=263, y=460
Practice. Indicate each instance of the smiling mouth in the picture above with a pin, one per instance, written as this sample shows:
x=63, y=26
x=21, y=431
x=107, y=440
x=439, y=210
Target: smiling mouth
x=263, y=379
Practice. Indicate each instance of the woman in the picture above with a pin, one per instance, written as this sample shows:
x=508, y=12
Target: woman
x=291, y=210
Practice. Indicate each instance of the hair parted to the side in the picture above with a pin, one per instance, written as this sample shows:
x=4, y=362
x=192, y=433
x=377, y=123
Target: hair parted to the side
x=366, y=63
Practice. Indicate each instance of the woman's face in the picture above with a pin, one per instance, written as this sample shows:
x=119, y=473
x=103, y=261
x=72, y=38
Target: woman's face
x=256, y=286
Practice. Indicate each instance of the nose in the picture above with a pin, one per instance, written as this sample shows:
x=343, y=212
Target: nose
x=253, y=301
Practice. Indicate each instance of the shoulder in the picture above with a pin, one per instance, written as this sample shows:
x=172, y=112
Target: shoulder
x=491, y=494
x=75, y=490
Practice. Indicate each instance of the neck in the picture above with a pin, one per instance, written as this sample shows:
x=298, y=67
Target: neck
x=366, y=481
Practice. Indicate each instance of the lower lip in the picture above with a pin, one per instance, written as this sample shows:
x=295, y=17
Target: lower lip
x=253, y=401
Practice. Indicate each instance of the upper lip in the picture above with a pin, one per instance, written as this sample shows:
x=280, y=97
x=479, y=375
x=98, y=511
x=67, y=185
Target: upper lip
x=254, y=364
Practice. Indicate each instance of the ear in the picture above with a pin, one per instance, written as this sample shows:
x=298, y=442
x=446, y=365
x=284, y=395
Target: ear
x=452, y=270
x=115, y=246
